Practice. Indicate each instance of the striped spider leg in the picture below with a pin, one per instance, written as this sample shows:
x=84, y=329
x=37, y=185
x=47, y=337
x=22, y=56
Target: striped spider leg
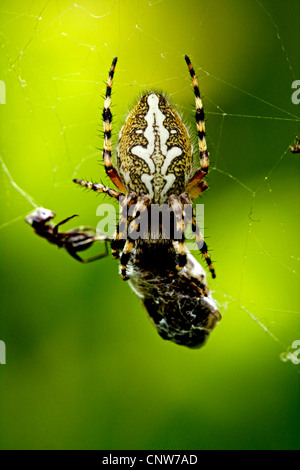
x=120, y=242
x=107, y=124
x=196, y=186
x=110, y=170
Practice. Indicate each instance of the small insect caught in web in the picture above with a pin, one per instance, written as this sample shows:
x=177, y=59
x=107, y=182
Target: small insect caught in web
x=74, y=240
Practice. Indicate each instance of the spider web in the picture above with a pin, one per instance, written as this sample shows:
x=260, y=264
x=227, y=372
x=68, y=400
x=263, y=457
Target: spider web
x=54, y=59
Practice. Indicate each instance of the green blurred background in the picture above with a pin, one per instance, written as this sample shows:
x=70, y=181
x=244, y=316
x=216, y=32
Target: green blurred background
x=85, y=368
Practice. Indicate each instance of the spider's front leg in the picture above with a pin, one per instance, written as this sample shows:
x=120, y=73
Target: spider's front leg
x=80, y=239
x=196, y=186
x=107, y=126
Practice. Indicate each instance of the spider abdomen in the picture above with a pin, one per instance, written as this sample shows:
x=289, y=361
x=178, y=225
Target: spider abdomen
x=154, y=153
x=180, y=305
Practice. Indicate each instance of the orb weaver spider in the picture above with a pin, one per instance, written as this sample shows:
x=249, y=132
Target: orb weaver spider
x=154, y=166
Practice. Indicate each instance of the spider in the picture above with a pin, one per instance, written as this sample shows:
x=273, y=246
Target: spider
x=154, y=167
x=77, y=239
x=296, y=148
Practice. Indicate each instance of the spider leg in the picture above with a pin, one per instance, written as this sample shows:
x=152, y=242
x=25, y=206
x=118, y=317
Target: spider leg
x=73, y=253
x=190, y=217
x=140, y=207
x=197, y=190
x=107, y=120
x=83, y=228
x=196, y=179
x=129, y=244
x=118, y=243
x=55, y=229
x=99, y=188
x=204, y=155
x=178, y=244
x=89, y=237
